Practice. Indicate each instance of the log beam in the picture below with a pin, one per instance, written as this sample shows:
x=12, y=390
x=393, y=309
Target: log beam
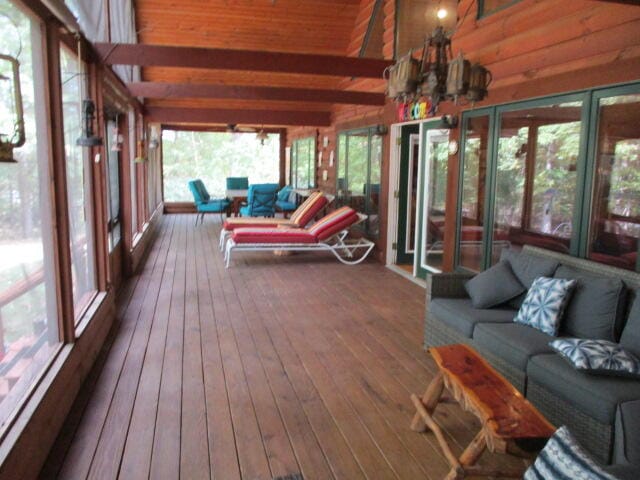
x=252, y=117
x=248, y=60
x=199, y=90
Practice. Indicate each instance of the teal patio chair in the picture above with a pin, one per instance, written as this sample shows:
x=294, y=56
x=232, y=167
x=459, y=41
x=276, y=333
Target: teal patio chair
x=283, y=201
x=203, y=201
x=261, y=200
x=237, y=183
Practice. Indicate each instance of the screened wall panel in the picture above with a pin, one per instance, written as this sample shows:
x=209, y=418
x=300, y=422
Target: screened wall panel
x=214, y=156
x=79, y=181
x=29, y=334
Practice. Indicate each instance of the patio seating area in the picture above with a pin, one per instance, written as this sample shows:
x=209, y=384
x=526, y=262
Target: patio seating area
x=278, y=366
x=237, y=236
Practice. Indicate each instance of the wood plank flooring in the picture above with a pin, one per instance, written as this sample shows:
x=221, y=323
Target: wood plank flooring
x=273, y=367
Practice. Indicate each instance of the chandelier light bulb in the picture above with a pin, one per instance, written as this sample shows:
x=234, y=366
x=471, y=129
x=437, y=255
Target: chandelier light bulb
x=442, y=13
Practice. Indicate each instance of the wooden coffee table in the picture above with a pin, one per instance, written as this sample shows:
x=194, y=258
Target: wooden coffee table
x=509, y=423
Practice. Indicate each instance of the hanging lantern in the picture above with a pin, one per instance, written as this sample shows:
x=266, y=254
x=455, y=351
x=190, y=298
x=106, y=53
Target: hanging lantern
x=479, y=80
x=403, y=78
x=458, y=77
x=16, y=137
x=435, y=60
x=88, y=138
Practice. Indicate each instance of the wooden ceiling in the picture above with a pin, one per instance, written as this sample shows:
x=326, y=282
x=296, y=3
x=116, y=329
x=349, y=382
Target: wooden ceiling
x=292, y=26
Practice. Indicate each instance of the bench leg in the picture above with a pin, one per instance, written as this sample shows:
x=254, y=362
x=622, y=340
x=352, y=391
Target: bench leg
x=429, y=400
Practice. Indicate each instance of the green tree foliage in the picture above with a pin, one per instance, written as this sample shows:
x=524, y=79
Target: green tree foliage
x=214, y=156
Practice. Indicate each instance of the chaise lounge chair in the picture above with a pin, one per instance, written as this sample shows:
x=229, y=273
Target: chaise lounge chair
x=304, y=214
x=327, y=234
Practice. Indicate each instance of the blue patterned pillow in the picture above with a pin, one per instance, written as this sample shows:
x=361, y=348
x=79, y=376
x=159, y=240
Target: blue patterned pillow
x=563, y=457
x=545, y=301
x=598, y=356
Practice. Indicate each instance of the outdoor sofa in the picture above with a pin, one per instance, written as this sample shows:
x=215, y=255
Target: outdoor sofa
x=603, y=412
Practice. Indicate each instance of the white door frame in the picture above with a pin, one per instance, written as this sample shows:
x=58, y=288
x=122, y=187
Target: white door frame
x=394, y=185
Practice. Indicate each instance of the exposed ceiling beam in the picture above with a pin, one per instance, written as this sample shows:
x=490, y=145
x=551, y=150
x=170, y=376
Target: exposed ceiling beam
x=627, y=2
x=251, y=117
x=216, y=128
x=191, y=90
x=248, y=60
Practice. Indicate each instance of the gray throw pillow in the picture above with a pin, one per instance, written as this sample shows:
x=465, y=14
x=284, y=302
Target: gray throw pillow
x=597, y=305
x=527, y=267
x=494, y=286
x=630, y=338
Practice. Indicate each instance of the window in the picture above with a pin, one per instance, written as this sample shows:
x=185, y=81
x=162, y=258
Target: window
x=133, y=177
x=417, y=18
x=535, y=179
x=28, y=320
x=487, y=7
x=154, y=195
x=614, y=226
x=303, y=154
x=472, y=192
x=214, y=156
x=359, y=174
x=559, y=176
x=373, y=41
x=113, y=182
x=78, y=183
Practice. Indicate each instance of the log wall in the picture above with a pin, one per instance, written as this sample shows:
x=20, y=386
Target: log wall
x=533, y=48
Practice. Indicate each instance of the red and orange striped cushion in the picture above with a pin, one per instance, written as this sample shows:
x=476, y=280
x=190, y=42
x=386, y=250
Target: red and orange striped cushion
x=309, y=209
x=303, y=215
x=336, y=221
x=273, y=235
x=251, y=222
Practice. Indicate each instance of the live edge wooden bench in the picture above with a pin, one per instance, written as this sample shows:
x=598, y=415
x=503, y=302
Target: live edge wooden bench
x=509, y=423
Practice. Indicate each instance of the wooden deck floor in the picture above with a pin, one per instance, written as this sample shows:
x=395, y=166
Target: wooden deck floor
x=276, y=366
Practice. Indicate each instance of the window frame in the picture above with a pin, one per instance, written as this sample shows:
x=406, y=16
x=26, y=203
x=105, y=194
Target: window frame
x=585, y=168
x=311, y=162
x=590, y=174
x=484, y=14
x=90, y=183
x=370, y=131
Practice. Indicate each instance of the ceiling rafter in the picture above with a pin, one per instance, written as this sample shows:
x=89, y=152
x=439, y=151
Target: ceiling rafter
x=247, y=60
x=163, y=90
x=233, y=116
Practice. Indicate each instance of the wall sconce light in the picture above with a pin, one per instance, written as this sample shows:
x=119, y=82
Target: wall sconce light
x=449, y=121
x=88, y=138
x=381, y=130
x=140, y=158
x=17, y=138
x=262, y=136
x=154, y=143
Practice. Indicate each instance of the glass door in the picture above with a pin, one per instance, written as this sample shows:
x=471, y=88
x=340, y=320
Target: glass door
x=432, y=198
x=407, y=195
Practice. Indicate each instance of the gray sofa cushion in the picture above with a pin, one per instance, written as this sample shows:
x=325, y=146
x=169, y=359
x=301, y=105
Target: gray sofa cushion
x=627, y=433
x=527, y=267
x=494, y=286
x=458, y=313
x=623, y=472
x=630, y=338
x=512, y=342
x=595, y=395
x=597, y=307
